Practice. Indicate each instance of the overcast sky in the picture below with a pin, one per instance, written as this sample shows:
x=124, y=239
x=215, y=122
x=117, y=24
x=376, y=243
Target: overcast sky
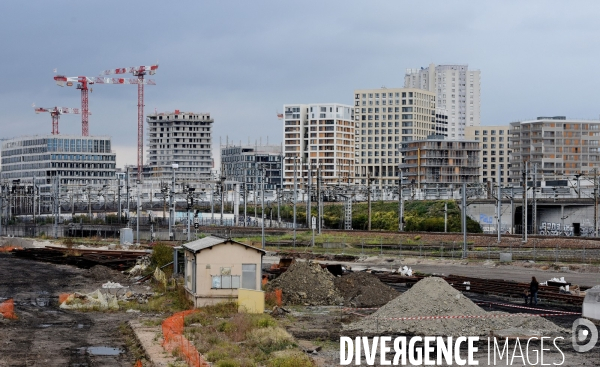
x=242, y=60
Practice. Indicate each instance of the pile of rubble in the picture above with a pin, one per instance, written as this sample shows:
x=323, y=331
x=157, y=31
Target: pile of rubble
x=103, y=274
x=306, y=283
x=433, y=296
x=362, y=289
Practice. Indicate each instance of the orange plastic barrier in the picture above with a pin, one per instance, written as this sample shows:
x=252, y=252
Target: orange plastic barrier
x=276, y=297
x=62, y=297
x=138, y=364
x=9, y=248
x=172, y=329
x=7, y=309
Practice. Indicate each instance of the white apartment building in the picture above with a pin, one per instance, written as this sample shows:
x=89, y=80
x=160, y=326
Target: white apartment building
x=182, y=138
x=384, y=119
x=457, y=90
x=319, y=135
x=495, y=151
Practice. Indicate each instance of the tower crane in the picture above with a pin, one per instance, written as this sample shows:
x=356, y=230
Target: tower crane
x=140, y=72
x=83, y=83
x=55, y=112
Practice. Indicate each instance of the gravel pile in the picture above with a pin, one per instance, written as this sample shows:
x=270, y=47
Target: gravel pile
x=306, y=283
x=433, y=296
x=363, y=289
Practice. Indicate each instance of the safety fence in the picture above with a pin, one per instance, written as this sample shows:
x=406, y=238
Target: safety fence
x=175, y=341
x=7, y=309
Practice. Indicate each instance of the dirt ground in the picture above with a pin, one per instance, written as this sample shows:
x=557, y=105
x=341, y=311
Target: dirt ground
x=45, y=335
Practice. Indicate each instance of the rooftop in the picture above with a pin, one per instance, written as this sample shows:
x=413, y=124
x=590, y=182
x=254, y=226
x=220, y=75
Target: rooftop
x=210, y=241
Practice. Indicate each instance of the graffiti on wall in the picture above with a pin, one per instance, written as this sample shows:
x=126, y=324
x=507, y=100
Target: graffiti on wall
x=554, y=229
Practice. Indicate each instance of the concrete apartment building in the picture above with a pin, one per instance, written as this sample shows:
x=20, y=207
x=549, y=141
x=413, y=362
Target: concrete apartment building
x=438, y=162
x=495, y=151
x=457, y=90
x=246, y=163
x=318, y=135
x=560, y=147
x=182, y=138
x=384, y=119
x=77, y=160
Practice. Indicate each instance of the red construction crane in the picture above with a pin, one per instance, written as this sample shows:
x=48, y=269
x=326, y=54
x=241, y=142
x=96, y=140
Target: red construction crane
x=138, y=71
x=83, y=82
x=55, y=112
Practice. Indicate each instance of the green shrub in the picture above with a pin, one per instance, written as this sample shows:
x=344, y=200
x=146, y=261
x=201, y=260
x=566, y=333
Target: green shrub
x=227, y=363
x=290, y=359
x=265, y=321
x=270, y=339
x=161, y=255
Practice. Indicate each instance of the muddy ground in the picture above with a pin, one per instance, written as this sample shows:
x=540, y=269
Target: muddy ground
x=45, y=335
x=321, y=325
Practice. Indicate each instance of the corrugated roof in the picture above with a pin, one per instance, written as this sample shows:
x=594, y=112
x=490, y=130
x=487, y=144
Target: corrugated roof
x=211, y=241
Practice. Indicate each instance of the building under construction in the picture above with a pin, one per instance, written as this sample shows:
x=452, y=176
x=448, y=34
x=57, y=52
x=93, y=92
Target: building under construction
x=181, y=138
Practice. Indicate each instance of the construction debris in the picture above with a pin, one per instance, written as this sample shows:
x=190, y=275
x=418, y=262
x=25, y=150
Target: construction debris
x=90, y=301
x=111, y=285
x=433, y=296
x=306, y=283
x=140, y=267
x=104, y=274
x=363, y=289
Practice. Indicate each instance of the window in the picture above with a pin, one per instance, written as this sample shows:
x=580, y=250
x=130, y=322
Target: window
x=225, y=280
x=249, y=276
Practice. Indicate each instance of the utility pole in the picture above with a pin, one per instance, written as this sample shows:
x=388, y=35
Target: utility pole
x=524, y=211
x=56, y=198
x=309, y=201
x=400, y=204
x=369, y=201
x=512, y=210
x=119, y=195
x=534, y=206
x=320, y=189
x=245, y=200
x=222, y=195
x=464, y=219
x=595, y=202
x=172, y=204
x=262, y=210
x=137, y=210
x=445, y=217
x=499, y=207
x=127, y=194
x=295, y=198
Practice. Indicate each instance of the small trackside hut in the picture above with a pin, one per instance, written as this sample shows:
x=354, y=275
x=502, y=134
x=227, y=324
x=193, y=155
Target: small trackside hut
x=216, y=268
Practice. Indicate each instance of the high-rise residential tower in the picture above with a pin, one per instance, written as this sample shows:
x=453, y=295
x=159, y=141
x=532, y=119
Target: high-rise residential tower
x=385, y=119
x=319, y=135
x=495, y=151
x=458, y=91
x=182, y=138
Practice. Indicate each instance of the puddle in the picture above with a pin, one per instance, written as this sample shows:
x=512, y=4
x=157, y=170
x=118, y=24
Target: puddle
x=104, y=351
x=44, y=325
x=41, y=301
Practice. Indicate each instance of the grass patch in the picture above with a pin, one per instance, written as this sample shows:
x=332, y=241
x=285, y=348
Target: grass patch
x=290, y=358
x=228, y=338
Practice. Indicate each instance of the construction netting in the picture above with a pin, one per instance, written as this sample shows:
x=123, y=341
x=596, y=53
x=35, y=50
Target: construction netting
x=275, y=297
x=175, y=341
x=7, y=309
